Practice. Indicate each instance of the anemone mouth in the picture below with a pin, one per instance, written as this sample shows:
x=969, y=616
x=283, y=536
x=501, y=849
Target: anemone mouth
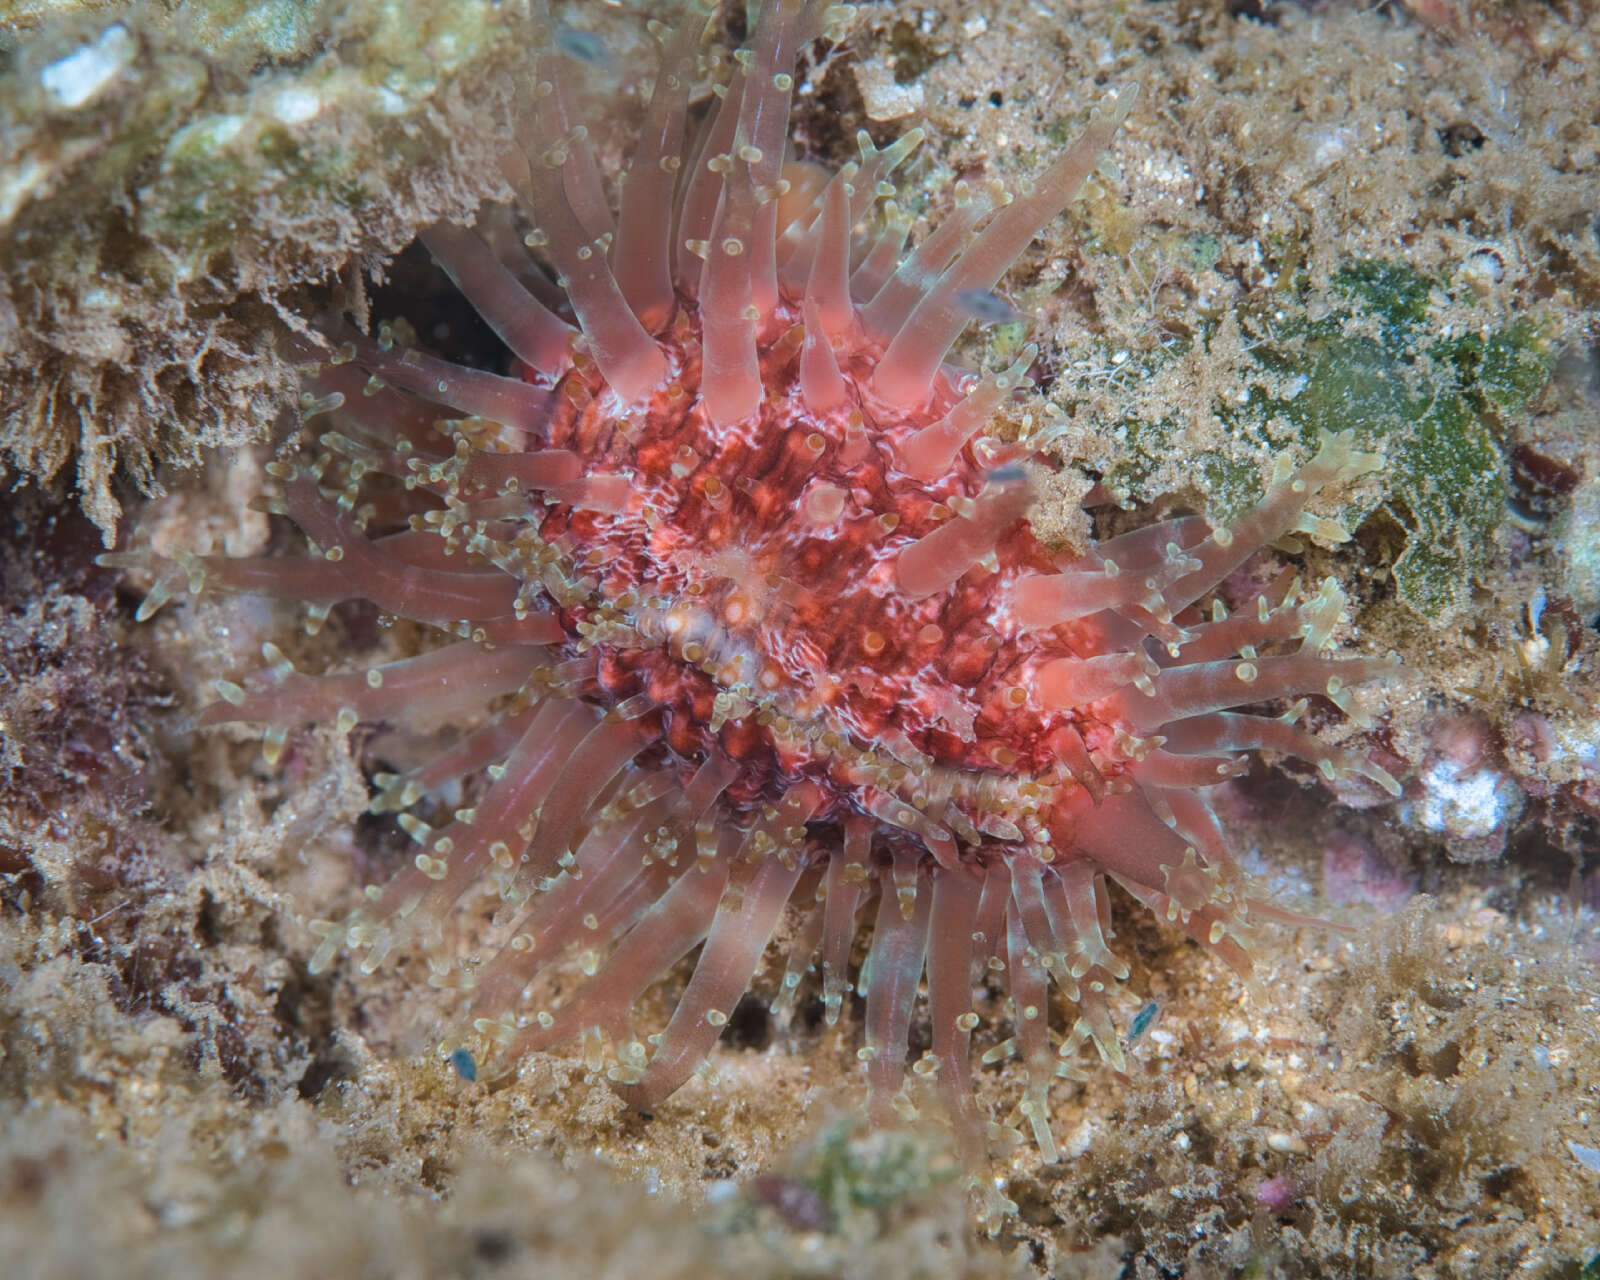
x=759, y=625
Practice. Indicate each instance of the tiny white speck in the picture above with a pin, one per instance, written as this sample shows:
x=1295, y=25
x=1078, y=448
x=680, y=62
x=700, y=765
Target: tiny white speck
x=79, y=76
x=1486, y=265
x=224, y=129
x=1588, y=1157
x=883, y=98
x=296, y=104
x=1330, y=145
x=17, y=185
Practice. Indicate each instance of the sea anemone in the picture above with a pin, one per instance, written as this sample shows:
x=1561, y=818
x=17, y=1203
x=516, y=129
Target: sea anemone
x=745, y=617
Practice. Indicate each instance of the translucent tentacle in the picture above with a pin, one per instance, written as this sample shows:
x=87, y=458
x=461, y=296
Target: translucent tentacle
x=536, y=336
x=628, y=356
x=641, y=255
x=493, y=831
x=928, y=453
x=899, y=945
x=580, y=176
x=1278, y=512
x=514, y=472
x=957, y=895
x=821, y=384
x=555, y=918
x=594, y=763
x=1233, y=731
x=470, y=391
x=906, y=371
x=1064, y=683
x=745, y=920
x=669, y=928
x=456, y=676
x=703, y=189
x=937, y=560
x=828, y=286
x=847, y=880
x=483, y=747
x=1029, y=983
x=900, y=293
x=881, y=258
x=426, y=595
x=1206, y=687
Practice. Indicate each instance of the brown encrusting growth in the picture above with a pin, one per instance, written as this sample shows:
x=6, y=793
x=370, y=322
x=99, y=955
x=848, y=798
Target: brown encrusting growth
x=174, y=182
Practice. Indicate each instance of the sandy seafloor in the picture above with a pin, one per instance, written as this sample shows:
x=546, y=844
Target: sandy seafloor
x=1417, y=1094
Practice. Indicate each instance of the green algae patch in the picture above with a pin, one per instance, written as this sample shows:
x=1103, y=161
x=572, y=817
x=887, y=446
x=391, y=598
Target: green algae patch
x=1415, y=367
x=1431, y=398
x=851, y=1183
x=873, y=1170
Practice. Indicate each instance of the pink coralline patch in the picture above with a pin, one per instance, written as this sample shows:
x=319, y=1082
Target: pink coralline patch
x=1276, y=1195
x=1530, y=732
x=1354, y=871
x=743, y=611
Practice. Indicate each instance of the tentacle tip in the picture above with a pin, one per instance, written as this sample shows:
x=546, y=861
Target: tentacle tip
x=1378, y=774
x=1117, y=104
